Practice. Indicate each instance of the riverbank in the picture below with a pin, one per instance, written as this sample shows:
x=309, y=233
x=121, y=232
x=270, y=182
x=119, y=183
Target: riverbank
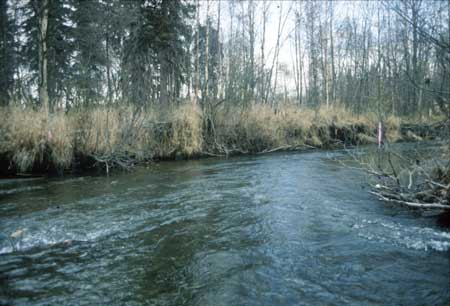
x=109, y=137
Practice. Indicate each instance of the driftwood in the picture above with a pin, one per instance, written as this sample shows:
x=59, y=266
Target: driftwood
x=429, y=194
x=391, y=197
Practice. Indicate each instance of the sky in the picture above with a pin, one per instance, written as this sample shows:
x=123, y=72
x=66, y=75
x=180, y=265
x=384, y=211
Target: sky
x=286, y=9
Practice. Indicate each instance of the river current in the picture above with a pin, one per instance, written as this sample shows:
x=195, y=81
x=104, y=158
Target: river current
x=276, y=229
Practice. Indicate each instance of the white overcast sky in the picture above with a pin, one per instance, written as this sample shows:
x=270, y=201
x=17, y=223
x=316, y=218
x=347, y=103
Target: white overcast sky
x=342, y=9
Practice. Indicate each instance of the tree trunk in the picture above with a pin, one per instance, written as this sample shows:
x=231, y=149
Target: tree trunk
x=415, y=5
x=108, y=70
x=206, y=89
x=333, y=69
x=163, y=74
x=43, y=60
x=197, y=55
x=263, y=41
x=297, y=76
x=218, y=46
x=252, y=48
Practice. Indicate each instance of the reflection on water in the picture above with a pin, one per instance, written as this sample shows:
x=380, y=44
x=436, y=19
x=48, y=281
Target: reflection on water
x=282, y=229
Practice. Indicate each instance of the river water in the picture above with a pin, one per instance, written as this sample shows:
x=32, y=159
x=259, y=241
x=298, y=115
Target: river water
x=278, y=229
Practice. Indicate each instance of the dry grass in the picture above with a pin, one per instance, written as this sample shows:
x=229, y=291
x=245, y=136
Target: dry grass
x=392, y=128
x=60, y=140
x=28, y=135
x=187, y=130
x=105, y=131
x=260, y=127
x=30, y=139
x=125, y=130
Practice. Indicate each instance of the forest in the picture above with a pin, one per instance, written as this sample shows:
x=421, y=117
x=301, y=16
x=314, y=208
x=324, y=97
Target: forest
x=232, y=152
x=114, y=83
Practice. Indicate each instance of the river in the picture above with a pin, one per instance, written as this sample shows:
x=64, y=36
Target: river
x=276, y=229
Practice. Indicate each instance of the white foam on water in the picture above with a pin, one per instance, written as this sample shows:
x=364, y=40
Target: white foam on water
x=412, y=237
x=30, y=239
x=20, y=189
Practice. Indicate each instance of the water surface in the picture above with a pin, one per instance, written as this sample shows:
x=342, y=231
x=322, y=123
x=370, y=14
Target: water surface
x=280, y=229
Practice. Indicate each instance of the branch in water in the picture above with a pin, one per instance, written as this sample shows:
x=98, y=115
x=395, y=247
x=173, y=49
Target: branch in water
x=411, y=204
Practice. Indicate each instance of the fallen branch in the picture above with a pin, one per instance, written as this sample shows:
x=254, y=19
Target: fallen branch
x=281, y=148
x=419, y=189
x=206, y=153
x=446, y=187
x=287, y=148
x=411, y=204
x=112, y=160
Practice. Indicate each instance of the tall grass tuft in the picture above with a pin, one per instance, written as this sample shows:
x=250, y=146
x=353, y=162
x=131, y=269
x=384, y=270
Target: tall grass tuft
x=392, y=128
x=187, y=130
x=31, y=139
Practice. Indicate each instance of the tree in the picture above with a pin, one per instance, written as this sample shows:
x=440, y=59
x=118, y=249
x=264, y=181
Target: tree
x=90, y=55
x=157, y=39
x=8, y=54
x=43, y=12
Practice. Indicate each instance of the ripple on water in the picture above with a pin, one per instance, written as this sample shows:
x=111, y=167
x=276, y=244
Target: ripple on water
x=20, y=189
x=413, y=237
x=44, y=239
x=275, y=230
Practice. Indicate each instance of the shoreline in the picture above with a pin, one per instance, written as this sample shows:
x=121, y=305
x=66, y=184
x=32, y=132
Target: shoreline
x=106, y=139
x=88, y=165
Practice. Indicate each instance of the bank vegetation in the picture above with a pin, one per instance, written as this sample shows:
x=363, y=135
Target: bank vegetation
x=114, y=83
x=120, y=137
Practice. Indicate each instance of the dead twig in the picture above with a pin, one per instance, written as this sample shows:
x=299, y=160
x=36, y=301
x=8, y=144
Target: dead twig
x=411, y=204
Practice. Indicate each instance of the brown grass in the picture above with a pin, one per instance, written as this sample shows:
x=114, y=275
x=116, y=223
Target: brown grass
x=392, y=128
x=187, y=130
x=261, y=128
x=29, y=138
